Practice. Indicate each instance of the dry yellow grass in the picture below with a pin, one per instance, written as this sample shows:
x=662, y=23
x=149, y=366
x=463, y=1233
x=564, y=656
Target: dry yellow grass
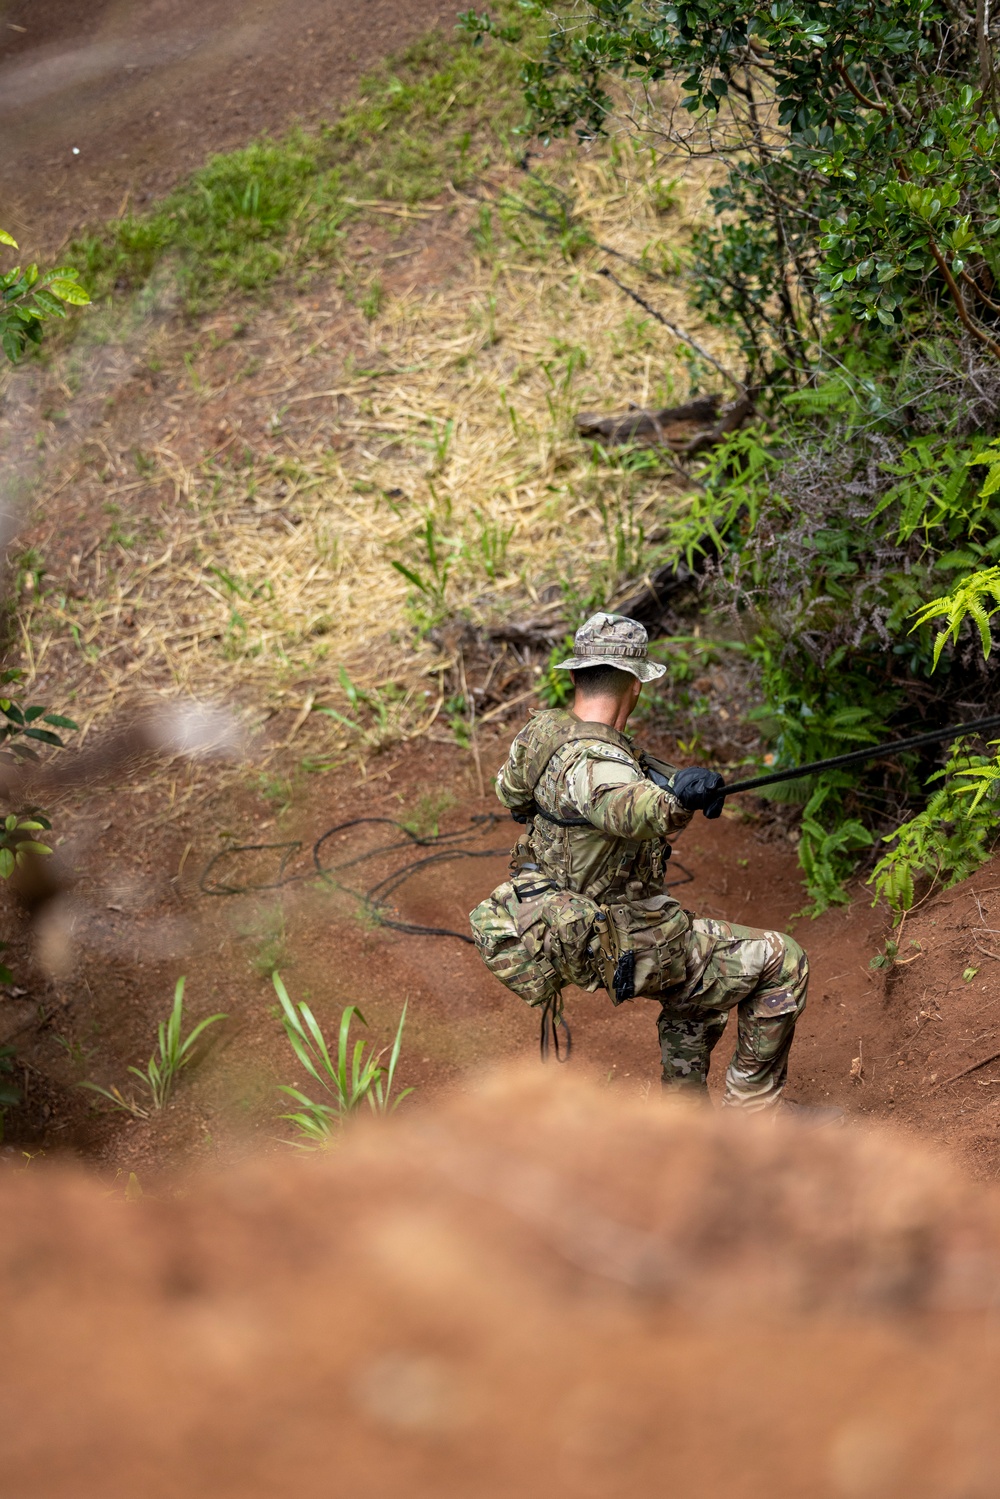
x=445, y=433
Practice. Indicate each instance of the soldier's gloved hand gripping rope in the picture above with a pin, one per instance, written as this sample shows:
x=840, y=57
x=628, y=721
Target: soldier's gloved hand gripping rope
x=696, y=788
x=699, y=790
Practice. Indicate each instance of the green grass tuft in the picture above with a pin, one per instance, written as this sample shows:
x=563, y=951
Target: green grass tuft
x=354, y=1077
x=437, y=114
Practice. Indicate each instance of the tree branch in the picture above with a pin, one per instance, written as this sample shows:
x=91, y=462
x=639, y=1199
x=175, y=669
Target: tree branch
x=864, y=99
x=675, y=330
x=959, y=300
x=987, y=76
x=971, y=281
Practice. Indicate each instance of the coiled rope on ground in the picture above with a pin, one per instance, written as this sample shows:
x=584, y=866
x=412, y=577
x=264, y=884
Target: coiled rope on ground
x=374, y=900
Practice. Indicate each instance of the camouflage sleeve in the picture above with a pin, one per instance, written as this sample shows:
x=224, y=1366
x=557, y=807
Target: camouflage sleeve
x=503, y=794
x=612, y=795
x=510, y=784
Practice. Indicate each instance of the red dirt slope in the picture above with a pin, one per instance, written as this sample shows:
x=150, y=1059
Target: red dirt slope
x=133, y=925
x=136, y=926
x=937, y=1013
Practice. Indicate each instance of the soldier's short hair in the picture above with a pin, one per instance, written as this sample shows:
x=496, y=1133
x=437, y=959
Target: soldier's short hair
x=602, y=680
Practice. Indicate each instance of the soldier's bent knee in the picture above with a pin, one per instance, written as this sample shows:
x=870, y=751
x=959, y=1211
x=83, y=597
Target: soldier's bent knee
x=795, y=953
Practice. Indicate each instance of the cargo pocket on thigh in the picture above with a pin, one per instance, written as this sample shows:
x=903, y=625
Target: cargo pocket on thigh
x=517, y=960
x=643, y=946
x=557, y=927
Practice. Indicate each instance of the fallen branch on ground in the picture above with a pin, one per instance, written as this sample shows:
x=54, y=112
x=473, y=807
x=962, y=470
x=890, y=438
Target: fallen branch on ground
x=668, y=427
x=679, y=429
x=676, y=330
x=975, y=1066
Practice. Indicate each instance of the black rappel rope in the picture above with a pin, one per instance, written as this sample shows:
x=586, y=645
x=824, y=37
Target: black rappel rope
x=870, y=752
x=553, y=1020
x=373, y=900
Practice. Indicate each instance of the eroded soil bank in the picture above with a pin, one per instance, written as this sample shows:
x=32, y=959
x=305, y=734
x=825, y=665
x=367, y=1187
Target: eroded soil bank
x=543, y=1288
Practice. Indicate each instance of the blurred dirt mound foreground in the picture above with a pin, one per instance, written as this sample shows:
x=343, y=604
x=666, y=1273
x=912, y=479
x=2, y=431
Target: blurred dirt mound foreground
x=538, y=1289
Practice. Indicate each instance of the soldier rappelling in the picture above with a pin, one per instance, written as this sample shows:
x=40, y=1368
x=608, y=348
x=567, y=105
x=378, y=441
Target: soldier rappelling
x=585, y=902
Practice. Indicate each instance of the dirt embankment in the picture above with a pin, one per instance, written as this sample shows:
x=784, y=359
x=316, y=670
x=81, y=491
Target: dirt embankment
x=940, y=1060
x=541, y=1289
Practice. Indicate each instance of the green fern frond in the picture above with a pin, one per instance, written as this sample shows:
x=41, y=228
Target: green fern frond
x=977, y=596
x=948, y=840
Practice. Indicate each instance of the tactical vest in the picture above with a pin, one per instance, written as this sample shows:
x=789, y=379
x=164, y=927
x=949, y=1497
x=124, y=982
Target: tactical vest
x=582, y=906
x=553, y=737
x=570, y=853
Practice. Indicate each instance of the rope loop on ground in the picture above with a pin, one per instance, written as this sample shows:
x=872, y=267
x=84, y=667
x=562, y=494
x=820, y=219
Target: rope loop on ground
x=375, y=899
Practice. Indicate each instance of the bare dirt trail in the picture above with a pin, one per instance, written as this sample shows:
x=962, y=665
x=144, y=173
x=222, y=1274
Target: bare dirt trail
x=146, y=90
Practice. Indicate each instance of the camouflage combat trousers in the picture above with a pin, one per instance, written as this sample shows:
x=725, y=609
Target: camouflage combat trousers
x=535, y=946
x=763, y=976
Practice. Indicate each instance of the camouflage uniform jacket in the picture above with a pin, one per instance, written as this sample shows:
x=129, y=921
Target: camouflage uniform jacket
x=621, y=854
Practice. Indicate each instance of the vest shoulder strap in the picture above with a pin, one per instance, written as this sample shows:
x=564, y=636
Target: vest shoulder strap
x=548, y=734
x=562, y=729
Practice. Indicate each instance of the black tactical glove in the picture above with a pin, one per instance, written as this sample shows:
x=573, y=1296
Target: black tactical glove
x=699, y=789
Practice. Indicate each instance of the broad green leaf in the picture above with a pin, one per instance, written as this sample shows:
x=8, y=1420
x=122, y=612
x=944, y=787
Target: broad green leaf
x=69, y=291
x=45, y=736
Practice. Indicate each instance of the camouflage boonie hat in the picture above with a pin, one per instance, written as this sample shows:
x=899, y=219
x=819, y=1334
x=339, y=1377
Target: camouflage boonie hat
x=613, y=640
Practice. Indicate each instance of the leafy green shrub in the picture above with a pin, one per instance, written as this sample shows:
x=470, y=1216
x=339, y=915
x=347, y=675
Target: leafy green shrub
x=872, y=196
x=957, y=830
x=852, y=256
x=29, y=298
x=827, y=856
x=22, y=727
x=832, y=532
x=945, y=842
